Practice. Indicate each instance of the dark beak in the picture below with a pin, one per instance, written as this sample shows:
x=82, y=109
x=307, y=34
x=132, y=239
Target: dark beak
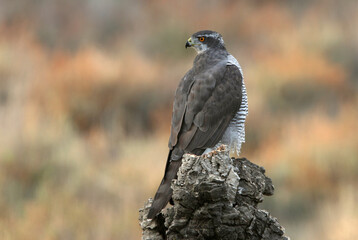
x=187, y=44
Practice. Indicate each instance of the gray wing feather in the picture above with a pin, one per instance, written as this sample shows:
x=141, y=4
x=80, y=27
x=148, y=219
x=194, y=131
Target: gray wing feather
x=204, y=106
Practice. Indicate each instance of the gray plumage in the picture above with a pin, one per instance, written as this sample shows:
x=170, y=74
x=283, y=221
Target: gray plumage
x=210, y=108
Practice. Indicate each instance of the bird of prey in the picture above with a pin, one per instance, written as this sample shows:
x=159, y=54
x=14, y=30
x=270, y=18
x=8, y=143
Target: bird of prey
x=209, y=109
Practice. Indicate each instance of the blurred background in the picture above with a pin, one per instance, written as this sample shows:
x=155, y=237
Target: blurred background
x=86, y=91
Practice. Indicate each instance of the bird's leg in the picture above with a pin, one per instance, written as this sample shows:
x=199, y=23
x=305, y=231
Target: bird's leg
x=211, y=151
x=207, y=151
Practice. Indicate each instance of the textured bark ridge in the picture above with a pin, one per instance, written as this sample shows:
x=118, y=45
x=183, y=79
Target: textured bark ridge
x=215, y=197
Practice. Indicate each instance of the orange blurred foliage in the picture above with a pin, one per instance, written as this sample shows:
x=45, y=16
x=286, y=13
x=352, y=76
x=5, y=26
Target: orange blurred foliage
x=86, y=92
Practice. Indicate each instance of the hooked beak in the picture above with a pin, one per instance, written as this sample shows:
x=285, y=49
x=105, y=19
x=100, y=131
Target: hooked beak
x=188, y=43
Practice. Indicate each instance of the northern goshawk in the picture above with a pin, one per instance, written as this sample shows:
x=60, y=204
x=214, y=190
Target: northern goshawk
x=210, y=109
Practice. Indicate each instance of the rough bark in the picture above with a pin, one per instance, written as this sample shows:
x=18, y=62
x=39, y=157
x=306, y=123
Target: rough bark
x=215, y=197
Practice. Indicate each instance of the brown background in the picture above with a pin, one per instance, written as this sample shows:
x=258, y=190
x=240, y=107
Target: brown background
x=86, y=90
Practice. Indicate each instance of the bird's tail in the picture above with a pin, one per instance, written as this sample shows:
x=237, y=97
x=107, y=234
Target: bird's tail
x=164, y=192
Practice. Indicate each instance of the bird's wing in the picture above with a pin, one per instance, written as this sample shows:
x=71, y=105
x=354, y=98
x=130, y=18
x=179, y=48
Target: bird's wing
x=204, y=105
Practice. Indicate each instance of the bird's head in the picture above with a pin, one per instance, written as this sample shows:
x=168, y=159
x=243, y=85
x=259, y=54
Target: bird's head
x=204, y=40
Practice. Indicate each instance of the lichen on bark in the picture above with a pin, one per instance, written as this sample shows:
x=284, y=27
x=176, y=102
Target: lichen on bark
x=215, y=197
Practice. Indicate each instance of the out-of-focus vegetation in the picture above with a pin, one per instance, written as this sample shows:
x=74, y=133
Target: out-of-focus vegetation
x=86, y=90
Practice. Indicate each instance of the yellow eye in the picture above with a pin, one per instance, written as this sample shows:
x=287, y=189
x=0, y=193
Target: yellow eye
x=201, y=39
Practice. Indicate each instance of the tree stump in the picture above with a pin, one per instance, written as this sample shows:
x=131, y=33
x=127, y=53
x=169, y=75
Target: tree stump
x=215, y=197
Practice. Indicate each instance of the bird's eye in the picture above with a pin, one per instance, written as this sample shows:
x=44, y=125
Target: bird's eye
x=201, y=39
